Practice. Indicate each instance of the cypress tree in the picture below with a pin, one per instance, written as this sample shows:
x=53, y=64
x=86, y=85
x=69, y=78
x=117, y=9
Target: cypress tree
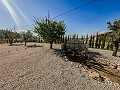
x=68, y=37
x=111, y=43
x=90, y=41
x=77, y=36
x=63, y=40
x=74, y=36
x=103, y=41
x=99, y=43
x=96, y=42
x=82, y=38
x=86, y=41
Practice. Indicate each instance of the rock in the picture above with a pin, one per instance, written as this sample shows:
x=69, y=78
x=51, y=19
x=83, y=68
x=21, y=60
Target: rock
x=66, y=60
x=118, y=67
x=104, y=63
x=94, y=75
x=80, y=65
x=116, y=85
x=114, y=66
x=65, y=57
x=77, y=66
x=107, y=80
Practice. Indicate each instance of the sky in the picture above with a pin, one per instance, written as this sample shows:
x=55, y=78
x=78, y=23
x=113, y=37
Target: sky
x=88, y=19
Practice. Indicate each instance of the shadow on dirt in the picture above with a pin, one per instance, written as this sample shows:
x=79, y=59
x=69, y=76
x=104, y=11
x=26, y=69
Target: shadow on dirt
x=28, y=46
x=34, y=46
x=17, y=44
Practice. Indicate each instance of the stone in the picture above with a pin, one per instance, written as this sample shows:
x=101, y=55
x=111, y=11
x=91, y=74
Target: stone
x=77, y=66
x=116, y=85
x=80, y=65
x=94, y=75
x=118, y=67
x=66, y=59
x=114, y=66
x=107, y=80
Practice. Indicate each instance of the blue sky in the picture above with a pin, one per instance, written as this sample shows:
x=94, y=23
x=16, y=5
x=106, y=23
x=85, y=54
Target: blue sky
x=88, y=19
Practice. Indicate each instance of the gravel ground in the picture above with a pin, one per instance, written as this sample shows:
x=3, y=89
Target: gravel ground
x=39, y=68
x=107, y=54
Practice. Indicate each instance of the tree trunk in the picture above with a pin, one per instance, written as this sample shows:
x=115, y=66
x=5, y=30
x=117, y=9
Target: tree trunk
x=51, y=45
x=115, y=49
x=25, y=43
x=10, y=41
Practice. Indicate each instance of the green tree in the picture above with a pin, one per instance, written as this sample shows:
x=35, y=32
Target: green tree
x=82, y=38
x=99, y=41
x=103, y=41
x=63, y=38
x=96, y=41
x=90, y=41
x=77, y=36
x=49, y=30
x=9, y=35
x=115, y=29
x=68, y=37
x=111, y=41
x=74, y=36
x=17, y=36
x=26, y=36
x=86, y=41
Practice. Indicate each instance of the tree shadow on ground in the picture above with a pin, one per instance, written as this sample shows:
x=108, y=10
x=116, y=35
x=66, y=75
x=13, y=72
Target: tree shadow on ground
x=90, y=63
x=34, y=46
x=28, y=46
x=17, y=44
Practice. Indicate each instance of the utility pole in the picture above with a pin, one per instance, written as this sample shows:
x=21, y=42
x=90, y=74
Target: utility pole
x=14, y=29
x=48, y=15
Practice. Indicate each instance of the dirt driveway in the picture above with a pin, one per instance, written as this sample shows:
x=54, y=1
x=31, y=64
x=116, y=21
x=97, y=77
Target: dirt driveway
x=39, y=68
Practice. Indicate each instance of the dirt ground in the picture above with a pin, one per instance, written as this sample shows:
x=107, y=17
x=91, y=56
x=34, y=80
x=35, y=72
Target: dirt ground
x=39, y=68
